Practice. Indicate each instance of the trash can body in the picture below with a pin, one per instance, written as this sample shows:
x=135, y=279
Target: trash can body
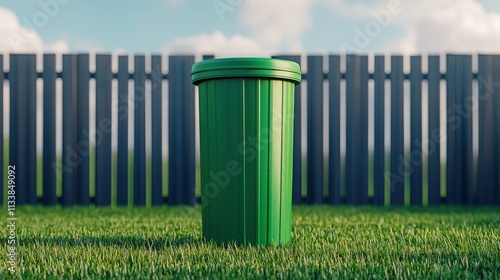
x=246, y=148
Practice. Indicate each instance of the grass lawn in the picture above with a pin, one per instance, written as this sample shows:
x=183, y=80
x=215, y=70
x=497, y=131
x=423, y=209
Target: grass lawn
x=327, y=242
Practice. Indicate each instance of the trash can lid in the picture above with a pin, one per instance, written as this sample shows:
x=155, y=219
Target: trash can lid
x=245, y=67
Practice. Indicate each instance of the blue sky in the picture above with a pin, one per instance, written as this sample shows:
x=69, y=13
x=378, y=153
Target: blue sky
x=228, y=27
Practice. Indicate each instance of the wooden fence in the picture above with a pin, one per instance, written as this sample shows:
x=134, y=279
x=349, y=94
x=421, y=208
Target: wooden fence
x=472, y=175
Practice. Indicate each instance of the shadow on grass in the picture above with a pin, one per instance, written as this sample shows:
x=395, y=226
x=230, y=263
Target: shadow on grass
x=130, y=242
x=119, y=241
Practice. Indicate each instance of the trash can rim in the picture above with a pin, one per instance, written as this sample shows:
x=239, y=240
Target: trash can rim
x=242, y=67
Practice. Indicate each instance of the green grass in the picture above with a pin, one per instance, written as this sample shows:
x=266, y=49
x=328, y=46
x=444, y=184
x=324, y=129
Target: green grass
x=327, y=242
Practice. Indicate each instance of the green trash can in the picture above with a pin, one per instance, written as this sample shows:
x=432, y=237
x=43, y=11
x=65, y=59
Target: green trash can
x=246, y=148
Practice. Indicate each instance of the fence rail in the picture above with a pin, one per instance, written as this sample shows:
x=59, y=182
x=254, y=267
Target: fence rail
x=365, y=171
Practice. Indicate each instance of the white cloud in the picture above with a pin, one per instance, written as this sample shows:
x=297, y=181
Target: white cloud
x=278, y=23
x=274, y=26
x=432, y=25
x=59, y=46
x=455, y=26
x=218, y=44
x=19, y=39
x=341, y=7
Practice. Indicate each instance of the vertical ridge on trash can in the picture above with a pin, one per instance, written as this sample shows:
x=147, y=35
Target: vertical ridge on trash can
x=232, y=164
x=287, y=162
x=297, y=135
x=223, y=131
x=275, y=96
x=204, y=157
x=242, y=140
x=212, y=189
x=218, y=137
x=280, y=193
x=264, y=137
x=249, y=150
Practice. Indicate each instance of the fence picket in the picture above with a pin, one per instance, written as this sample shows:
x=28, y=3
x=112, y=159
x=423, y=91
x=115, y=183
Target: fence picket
x=14, y=131
x=363, y=133
x=156, y=131
x=416, y=158
x=397, y=176
x=434, y=131
x=30, y=111
x=122, y=153
x=314, y=78
x=486, y=155
x=488, y=159
x=459, y=130
x=82, y=124
x=70, y=157
x=466, y=132
x=334, y=78
x=176, y=145
x=139, y=130
x=23, y=125
x=379, y=132
x=356, y=129
x=103, y=78
x=181, y=131
x=49, y=129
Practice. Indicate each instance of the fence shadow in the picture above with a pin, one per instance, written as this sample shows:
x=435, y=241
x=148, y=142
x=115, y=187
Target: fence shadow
x=128, y=242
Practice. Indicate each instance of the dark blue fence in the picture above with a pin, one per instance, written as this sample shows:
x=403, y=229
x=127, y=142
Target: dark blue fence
x=358, y=173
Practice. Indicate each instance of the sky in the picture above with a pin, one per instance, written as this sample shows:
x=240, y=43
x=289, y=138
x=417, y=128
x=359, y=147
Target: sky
x=250, y=27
